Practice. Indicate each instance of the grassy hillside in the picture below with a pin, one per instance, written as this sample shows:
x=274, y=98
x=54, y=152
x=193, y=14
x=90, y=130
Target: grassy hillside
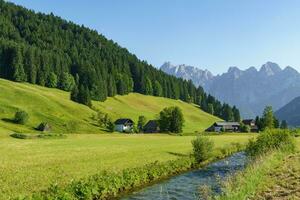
x=53, y=106
x=134, y=104
x=31, y=165
x=42, y=104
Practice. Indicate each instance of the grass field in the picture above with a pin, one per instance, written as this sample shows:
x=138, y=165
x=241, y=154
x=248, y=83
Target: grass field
x=53, y=106
x=31, y=165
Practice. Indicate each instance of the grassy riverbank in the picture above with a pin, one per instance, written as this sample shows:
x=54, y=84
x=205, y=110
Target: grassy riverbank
x=274, y=174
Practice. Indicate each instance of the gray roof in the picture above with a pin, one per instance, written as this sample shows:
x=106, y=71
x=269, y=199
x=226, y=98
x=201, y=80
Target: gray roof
x=123, y=121
x=227, y=123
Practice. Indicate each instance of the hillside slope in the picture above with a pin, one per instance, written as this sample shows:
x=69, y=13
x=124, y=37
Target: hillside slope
x=290, y=112
x=135, y=104
x=53, y=106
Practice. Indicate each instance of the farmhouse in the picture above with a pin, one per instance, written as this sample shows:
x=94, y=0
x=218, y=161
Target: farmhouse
x=224, y=126
x=251, y=123
x=151, y=127
x=123, y=125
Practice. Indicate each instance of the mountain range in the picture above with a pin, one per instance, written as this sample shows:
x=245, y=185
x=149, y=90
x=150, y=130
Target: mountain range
x=250, y=90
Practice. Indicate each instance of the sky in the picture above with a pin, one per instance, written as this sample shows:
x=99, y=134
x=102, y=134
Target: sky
x=209, y=34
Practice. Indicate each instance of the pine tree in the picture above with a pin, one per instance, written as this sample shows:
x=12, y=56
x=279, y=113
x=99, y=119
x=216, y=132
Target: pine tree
x=18, y=73
x=157, y=89
x=141, y=123
x=268, y=118
x=283, y=124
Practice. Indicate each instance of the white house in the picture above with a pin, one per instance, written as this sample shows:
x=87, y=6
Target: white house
x=123, y=125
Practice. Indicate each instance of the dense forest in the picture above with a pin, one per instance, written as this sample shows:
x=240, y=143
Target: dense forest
x=49, y=51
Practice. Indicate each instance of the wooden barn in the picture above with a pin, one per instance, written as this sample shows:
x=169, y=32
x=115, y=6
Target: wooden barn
x=151, y=127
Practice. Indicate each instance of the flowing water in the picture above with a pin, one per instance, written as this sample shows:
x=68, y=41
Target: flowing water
x=187, y=186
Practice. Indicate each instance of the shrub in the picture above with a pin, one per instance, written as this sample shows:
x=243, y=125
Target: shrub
x=110, y=126
x=202, y=148
x=21, y=117
x=271, y=140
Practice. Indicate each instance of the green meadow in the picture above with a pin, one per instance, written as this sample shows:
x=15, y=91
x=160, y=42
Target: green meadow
x=31, y=165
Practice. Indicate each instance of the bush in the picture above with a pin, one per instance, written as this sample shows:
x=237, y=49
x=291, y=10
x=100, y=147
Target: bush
x=21, y=117
x=271, y=140
x=202, y=148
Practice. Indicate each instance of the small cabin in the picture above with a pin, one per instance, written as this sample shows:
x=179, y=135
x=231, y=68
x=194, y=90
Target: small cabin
x=251, y=123
x=151, y=127
x=123, y=125
x=224, y=126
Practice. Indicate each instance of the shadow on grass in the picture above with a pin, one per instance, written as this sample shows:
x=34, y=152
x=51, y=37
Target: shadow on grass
x=178, y=154
x=8, y=120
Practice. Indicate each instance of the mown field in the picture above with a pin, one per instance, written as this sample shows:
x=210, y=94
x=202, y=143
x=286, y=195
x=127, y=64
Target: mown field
x=31, y=165
x=65, y=116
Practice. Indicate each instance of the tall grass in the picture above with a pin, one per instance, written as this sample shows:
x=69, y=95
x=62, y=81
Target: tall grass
x=266, y=153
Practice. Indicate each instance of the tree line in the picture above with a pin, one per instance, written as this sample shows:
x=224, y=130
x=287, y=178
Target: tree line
x=269, y=121
x=49, y=51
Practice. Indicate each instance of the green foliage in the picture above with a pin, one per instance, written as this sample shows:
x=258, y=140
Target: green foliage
x=268, y=118
x=67, y=81
x=81, y=95
x=141, y=123
x=202, y=148
x=21, y=117
x=52, y=80
x=106, y=184
x=171, y=120
x=110, y=126
x=245, y=128
x=284, y=125
x=271, y=140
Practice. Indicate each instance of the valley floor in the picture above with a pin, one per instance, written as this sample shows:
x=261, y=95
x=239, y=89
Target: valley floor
x=31, y=165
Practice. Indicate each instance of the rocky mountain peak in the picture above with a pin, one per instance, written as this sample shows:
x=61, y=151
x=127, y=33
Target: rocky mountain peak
x=270, y=69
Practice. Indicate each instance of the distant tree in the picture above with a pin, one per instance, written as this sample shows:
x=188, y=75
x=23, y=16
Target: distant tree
x=148, y=87
x=157, y=89
x=52, y=80
x=21, y=117
x=268, y=118
x=110, y=126
x=227, y=113
x=236, y=114
x=177, y=120
x=141, y=123
x=81, y=95
x=276, y=123
x=210, y=108
x=17, y=66
x=283, y=124
x=171, y=120
x=245, y=128
x=66, y=82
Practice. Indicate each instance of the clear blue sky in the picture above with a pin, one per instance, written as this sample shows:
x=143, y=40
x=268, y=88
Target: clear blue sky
x=212, y=34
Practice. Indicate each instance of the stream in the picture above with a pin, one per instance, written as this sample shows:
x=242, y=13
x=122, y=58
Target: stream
x=186, y=186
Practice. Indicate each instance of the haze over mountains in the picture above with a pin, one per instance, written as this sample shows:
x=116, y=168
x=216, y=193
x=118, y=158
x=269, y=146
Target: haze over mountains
x=250, y=90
